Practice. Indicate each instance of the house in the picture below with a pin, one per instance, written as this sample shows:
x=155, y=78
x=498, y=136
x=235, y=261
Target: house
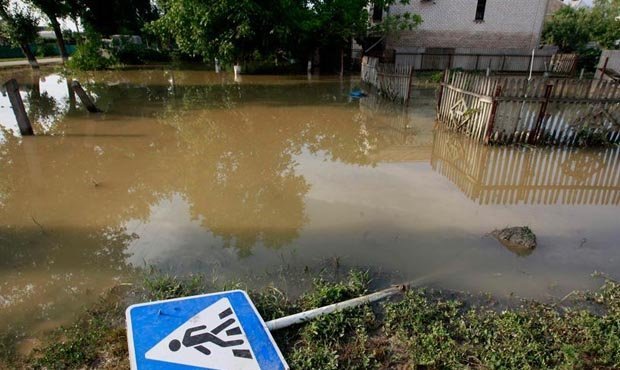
x=461, y=28
x=477, y=24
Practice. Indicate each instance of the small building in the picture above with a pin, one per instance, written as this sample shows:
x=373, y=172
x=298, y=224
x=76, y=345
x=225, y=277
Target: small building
x=461, y=28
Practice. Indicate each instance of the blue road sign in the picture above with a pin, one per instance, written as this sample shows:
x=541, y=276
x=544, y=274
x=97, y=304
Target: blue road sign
x=219, y=331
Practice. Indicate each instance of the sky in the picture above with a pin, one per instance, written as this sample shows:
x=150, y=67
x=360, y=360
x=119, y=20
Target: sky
x=585, y=2
x=43, y=21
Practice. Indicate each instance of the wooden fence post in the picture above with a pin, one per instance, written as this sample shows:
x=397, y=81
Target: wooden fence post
x=12, y=89
x=498, y=92
x=86, y=100
x=409, y=87
x=443, y=81
x=541, y=115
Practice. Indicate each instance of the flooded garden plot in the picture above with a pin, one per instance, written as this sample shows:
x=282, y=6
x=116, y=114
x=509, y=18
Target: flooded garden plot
x=194, y=172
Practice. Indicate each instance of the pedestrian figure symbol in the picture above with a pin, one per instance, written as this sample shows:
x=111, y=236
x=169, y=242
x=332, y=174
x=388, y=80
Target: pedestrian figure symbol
x=217, y=331
x=192, y=337
x=212, y=338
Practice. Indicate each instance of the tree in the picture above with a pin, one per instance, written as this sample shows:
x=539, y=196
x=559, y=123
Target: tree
x=240, y=30
x=20, y=26
x=568, y=29
x=111, y=17
x=230, y=30
x=54, y=10
x=604, y=27
x=571, y=29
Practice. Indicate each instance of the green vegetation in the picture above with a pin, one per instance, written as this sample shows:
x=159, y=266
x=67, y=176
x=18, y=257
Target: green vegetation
x=89, y=55
x=587, y=137
x=288, y=30
x=573, y=29
x=54, y=10
x=19, y=25
x=422, y=328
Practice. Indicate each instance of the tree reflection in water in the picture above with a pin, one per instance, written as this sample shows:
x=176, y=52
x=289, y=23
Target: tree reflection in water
x=230, y=151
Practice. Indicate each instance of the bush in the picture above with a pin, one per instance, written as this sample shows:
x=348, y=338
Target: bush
x=45, y=49
x=130, y=53
x=89, y=55
x=588, y=59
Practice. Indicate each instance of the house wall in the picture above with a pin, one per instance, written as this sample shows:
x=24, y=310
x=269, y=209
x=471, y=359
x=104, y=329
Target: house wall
x=507, y=25
x=613, y=64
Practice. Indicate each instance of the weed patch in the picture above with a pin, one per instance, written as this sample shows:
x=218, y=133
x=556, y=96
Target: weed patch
x=422, y=329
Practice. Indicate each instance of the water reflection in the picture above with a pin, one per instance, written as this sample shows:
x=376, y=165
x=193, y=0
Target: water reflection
x=73, y=206
x=191, y=172
x=47, y=98
x=516, y=175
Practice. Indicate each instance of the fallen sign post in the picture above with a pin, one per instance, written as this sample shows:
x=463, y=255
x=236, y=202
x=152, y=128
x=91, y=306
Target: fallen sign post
x=86, y=100
x=302, y=317
x=215, y=331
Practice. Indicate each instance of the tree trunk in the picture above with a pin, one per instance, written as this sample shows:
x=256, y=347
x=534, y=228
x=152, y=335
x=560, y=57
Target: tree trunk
x=59, y=39
x=341, y=62
x=30, y=55
x=36, y=87
x=71, y=93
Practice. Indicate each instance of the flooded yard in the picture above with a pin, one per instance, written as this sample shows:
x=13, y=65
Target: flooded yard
x=193, y=172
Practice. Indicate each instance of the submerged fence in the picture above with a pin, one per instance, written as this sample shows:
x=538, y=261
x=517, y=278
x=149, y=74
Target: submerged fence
x=391, y=80
x=541, y=110
x=517, y=175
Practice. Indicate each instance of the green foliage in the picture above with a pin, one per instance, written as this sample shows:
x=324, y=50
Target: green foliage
x=571, y=29
x=339, y=340
x=131, y=53
x=98, y=334
x=225, y=29
x=605, y=29
x=392, y=25
x=161, y=287
x=112, y=17
x=45, y=49
x=588, y=59
x=587, y=137
x=89, y=55
x=19, y=24
x=445, y=334
x=423, y=329
x=568, y=29
x=250, y=30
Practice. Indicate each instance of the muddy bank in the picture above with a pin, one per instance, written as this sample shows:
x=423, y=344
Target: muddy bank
x=422, y=327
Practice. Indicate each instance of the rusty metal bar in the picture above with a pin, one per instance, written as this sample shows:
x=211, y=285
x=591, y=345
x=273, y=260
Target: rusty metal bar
x=495, y=104
x=541, y=114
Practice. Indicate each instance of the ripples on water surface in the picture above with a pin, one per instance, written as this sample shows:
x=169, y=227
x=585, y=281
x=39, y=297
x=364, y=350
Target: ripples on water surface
x=192, y=172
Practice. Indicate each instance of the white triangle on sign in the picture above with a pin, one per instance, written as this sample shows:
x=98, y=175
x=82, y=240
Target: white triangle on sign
x=213, y=339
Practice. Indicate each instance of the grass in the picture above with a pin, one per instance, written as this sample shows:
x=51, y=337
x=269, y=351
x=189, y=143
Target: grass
x=423, y=329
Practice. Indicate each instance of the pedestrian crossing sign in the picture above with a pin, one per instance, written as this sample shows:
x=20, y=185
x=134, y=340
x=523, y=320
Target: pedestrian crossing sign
x=220, y=331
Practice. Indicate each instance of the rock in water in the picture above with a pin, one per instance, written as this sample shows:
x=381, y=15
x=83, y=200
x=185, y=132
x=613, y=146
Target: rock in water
x=520, y=240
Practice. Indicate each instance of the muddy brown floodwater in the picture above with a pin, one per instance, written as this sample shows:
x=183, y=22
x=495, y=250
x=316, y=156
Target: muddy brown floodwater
x=192, y=172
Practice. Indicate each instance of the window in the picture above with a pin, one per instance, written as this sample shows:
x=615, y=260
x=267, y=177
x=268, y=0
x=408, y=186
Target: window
x=482, y=4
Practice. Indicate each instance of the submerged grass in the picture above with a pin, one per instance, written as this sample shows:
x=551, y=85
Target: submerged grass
x=422, y=329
